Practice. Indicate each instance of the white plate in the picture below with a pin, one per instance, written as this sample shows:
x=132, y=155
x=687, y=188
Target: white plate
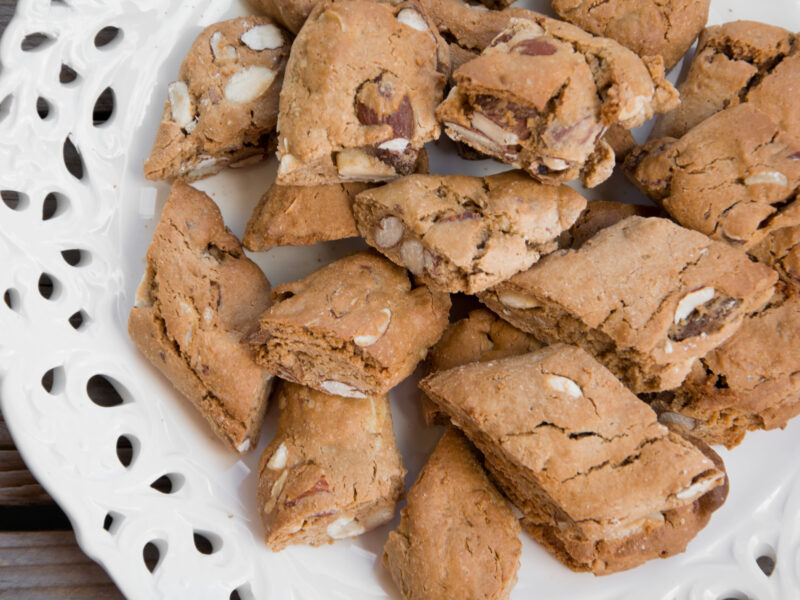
x=69, y=442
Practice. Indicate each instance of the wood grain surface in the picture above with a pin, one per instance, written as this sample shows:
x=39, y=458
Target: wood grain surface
x=39, y=557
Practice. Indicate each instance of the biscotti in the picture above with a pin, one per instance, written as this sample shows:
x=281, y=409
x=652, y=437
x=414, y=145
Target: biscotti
x=355, y=327
x=331, y=472
x=481, y=336
x=542, y=94
x=666, y=28
x=741, y=61
x=463, y=234
x=457, y=537
x=646, y=297
x=198, y=298
x=223, y=108
x=601, y=484
x=374, y=74
x=750, y=382
x=735, y=184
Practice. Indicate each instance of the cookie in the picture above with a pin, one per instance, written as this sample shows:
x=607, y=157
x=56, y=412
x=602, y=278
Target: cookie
x=301, y=215
x=648, y=27
x=600, y=214
x=734, y=183
x=621, y=141
x=332, y=470
x=223, y=108
x=600, y=483
x=459, y=233
x=198, y=298
x=542, y=94
x=374, y=74
x=457, y=537
x=737, y=62
x=645, y=296
x=480, y=337
x=748, y=383
x=355, y=327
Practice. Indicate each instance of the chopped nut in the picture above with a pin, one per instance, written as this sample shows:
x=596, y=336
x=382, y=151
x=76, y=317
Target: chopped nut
x=263, y=37
x=377, y=518
x=180, y=103
x=678, y=419
x=249, y=84
x=278, y=460
x=515, y=300
x=564, y=385
x=331, y=15
x=228, y=52
x=383, y=325
x=535, y=47
x=411, y=255
x=207, y=166
x=337, y=388
x=277, y=488
x=701, y=487
x=388, y=232
x=394, y=145
x=244, y=446
x=412, y=18
x=344, y=527
x=288, y=164
x=472, y=137
x=773, y=177
x=492, y=130
x=691, y=301
x=353, y=163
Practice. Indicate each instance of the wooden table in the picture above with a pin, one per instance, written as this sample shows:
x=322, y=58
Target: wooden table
x=39, y=558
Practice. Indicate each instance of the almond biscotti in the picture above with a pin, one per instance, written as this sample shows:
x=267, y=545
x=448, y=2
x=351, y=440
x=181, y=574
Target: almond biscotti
x=480, y=337
x=332, y=471
x=361, y=89
x=463, y=234
x=750, y=382
x=199, y=297
x=457, y=537
x=646, y=297
x=735, y=184
x=601, y=484
x=542, y=94
x=355, y=327
x=223, y=108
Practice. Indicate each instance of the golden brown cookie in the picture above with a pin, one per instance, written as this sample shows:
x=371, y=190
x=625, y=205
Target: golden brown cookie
x=459, y=233
x=223, y=108
x=646, y=297
x=198, y=298
x=665, y=28
x=374, y=74
x=331, y=472
x=598, y=480
x=457, y=537
x=355, y=327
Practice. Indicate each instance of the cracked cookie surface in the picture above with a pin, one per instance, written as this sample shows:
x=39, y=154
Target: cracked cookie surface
x=374, y=74
x=331, y=472
x=741, y=61
x=459, y=233
x=479, y=337
x=750, y=382
x=353, y=328
x=198, y=298
x=563, y=438
x=543, y=93
x=665, y=28
x=457, y=537
x=223, y=108
x=645, y=296
x=735, y=184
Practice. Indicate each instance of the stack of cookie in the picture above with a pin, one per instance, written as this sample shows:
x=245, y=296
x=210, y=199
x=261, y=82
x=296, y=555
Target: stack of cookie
x=587, y=305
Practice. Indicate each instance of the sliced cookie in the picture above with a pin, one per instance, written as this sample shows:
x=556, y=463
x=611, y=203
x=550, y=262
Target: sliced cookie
x=457, y=537
x=646, y=297
x=223, y=108
x=374, y=74
x=463, y=234
x=355, y=327
x=199, y=296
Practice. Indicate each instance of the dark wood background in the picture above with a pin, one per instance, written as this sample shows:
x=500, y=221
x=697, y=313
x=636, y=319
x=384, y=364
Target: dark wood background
x=39, y=558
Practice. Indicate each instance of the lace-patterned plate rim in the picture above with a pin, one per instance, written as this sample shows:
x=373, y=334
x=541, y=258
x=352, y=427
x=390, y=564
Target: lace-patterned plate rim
x=141, y=469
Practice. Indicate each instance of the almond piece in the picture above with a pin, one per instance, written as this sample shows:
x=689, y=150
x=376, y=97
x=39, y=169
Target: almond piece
x=412, y=18
x=249, y=84
x=180, y=103
x=263, y=37
x=388, y=232
x=412, y=256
